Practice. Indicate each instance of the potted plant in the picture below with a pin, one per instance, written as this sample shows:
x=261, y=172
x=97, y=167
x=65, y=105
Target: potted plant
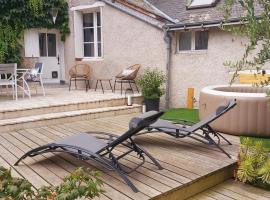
x=151, y=87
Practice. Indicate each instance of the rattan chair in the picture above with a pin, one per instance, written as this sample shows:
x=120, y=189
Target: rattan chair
x=127, y=78
x=80, y=72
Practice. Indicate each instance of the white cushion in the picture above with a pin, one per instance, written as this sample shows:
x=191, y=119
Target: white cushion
x=127, y=72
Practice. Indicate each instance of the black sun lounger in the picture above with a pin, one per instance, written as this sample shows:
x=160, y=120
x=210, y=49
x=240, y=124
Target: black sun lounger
x=182, y=128
x=85, y=146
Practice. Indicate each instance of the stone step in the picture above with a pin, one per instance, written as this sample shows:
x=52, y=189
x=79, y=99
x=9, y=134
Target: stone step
x=65, y=117
x=57, y=107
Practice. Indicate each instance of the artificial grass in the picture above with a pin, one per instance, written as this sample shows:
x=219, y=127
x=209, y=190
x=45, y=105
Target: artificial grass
x=193, y=115
x=265, y=141
x=182, y=113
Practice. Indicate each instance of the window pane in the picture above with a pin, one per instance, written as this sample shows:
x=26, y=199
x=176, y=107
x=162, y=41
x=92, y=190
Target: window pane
x=88, y=35
x=99, y=34
x=99, y=50
x=201, y=40
x=51, y=45
x=98, y=19
x=88, y=20
x=42, y=45
x=89, y=50
x=185, y=41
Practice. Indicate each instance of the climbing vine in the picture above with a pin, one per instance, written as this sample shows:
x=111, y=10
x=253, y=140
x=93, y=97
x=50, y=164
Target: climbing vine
x=18, y=15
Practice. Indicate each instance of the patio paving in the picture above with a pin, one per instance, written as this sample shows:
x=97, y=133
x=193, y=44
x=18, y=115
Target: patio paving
x=189, y=166
x=55, y=96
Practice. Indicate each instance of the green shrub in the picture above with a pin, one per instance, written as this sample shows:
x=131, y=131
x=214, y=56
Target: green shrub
x=82, y=183
x=254, y=163
x=151, y=83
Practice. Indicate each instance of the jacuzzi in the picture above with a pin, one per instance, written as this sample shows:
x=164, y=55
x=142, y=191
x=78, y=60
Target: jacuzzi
x=251, y=116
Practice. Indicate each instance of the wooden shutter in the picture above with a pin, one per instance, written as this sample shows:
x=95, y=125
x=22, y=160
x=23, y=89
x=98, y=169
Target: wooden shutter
x=31, y=43
x=78, y=34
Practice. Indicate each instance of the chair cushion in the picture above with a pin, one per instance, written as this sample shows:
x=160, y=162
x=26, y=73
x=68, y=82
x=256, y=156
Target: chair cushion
x=127, y=72
x=83, y=141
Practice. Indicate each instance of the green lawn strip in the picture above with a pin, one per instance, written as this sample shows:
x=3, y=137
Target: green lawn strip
x=193, y=115
x=182, y=113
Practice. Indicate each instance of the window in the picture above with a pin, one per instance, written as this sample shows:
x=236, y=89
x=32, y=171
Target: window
x=190, y=41
x=92, y=42
x=201, y=40
x=47, y=45
x=185, y=41
x=201, y=3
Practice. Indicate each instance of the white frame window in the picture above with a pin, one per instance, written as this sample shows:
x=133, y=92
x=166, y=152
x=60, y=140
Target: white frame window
x=92, y=35
x=192, y=41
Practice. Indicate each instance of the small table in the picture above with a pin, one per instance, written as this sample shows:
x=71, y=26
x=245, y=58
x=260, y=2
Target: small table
x=103, y=79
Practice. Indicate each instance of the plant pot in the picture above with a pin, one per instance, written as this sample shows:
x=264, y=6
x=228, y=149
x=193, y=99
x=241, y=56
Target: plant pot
x=152, y=104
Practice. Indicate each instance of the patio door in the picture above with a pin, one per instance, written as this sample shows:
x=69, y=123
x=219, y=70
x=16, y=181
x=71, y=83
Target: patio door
x=49, y=55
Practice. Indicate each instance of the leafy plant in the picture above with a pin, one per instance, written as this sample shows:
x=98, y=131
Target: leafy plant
x=18, y=15
x=254, y=163
x=82, y=183
x=151, y=83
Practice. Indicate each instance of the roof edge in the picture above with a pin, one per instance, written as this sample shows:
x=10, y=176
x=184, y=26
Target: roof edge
x=161, y=12
x=144, y=19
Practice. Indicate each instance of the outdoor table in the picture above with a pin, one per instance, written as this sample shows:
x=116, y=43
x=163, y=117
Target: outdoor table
x=103, y=79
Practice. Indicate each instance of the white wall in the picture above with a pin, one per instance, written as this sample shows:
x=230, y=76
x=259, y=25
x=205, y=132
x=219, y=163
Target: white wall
x=200, y=69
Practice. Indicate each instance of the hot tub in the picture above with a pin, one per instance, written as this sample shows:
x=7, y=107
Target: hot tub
x=251, y=116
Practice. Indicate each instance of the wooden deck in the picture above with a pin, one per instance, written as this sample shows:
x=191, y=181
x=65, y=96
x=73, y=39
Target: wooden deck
x=189, y=167
x=232, y=190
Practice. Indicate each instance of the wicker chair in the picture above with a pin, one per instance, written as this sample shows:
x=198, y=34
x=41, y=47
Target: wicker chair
x=129, y=77
x=80, y=72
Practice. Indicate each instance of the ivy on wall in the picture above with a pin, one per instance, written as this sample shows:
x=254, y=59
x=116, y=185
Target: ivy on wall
x=18, y=15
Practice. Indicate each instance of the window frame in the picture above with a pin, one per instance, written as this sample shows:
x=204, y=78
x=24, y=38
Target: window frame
x=193, y=50
x=95, y=42
x=47, y=45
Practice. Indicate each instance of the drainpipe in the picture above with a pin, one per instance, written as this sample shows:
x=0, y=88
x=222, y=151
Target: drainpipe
x=168, y=41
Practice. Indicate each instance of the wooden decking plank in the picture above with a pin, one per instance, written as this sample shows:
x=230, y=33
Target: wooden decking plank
x=245, y=190
x=24, y=170
x=36, y=166
x=217, y=195
x=149, y=191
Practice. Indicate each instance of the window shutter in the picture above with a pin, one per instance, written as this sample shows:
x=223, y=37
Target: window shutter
x=31, y=43
x=78, y=34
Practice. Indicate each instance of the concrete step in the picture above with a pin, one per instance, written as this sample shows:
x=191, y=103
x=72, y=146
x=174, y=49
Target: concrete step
x=65, y=117
x=57, y=107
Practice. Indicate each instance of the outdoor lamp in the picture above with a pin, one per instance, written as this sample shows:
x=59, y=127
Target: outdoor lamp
x=54, y=13
x=129, y=96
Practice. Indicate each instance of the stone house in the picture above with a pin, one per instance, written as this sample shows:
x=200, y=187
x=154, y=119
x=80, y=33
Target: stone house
x=183, y=39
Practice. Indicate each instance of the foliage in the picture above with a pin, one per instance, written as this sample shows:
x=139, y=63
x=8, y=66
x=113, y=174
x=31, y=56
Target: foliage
x=82, y=183
x=19, y=15
x=254, y=163
x=255, y=25
x=151, y=83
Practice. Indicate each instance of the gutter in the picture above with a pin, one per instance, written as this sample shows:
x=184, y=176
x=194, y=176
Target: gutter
x=206, y=24
x=168, y=40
